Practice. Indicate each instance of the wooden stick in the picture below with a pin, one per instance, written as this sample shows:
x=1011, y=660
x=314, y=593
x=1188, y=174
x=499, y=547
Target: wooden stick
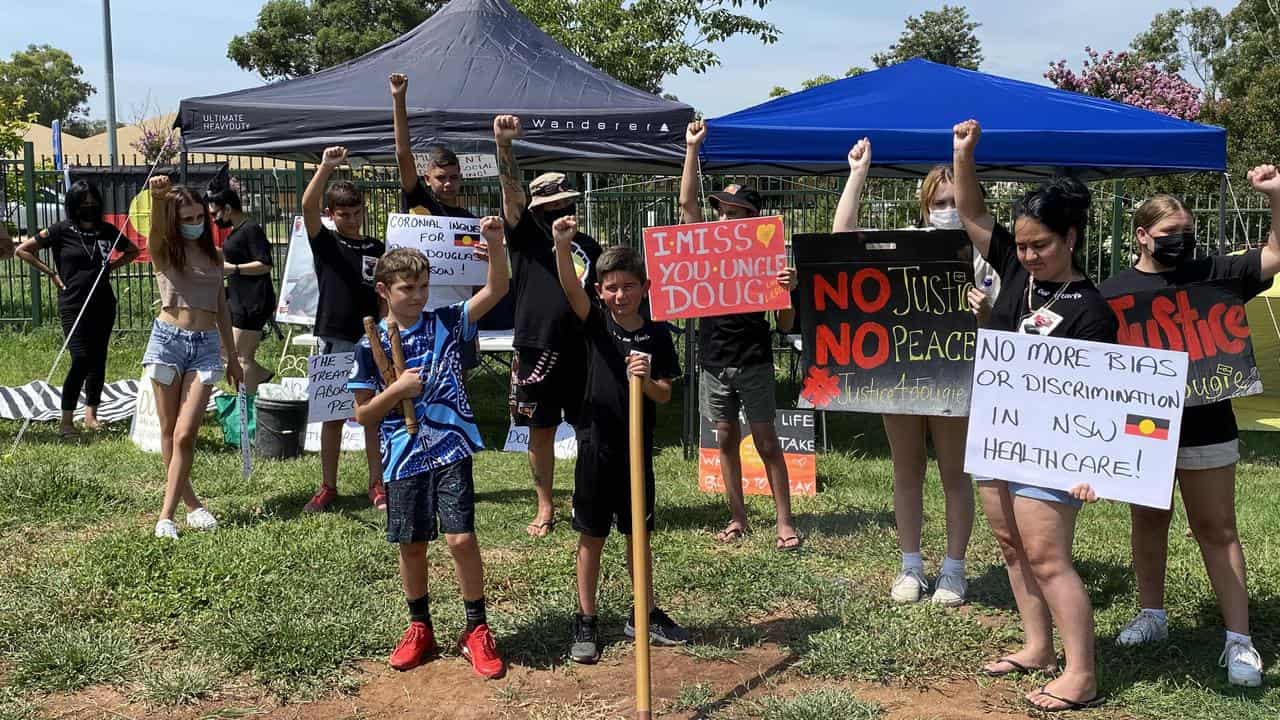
x=397, y=357
x=387, y=370
x=640, y=549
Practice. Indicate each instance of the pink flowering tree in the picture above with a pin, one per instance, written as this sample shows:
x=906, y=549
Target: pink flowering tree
x=157, y=143
x=1122, y=77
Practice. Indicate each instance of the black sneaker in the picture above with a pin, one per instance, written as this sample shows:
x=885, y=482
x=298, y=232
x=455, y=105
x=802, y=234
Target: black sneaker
x=586, y=640
x=662, y=629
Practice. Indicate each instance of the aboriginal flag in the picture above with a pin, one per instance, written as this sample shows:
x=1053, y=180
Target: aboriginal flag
x=1146, y=426
x=463, y=240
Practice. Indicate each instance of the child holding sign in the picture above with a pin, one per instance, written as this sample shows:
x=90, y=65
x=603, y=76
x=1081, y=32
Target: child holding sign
x=1044, y=293
x=430, y=475
x=620, y=343
x=1208, y=449
x=736, y=353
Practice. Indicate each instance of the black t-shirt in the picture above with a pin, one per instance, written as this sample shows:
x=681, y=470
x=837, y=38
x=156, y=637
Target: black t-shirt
x=1085, y=314
x=544, y=319
x=78, y=256
x=1239, y=274
x=249, y=294
x=344, y=272
x=605, y=403
x=735, y=340
x=422, y=201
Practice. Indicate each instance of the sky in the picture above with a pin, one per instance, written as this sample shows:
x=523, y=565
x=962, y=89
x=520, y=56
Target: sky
x=165, y=53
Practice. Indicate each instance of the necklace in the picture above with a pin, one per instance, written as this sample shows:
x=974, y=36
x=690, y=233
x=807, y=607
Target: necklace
x=1031, y=284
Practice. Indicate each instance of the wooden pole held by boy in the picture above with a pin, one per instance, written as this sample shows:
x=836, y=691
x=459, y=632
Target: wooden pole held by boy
x=389, y=372
x=639, y=547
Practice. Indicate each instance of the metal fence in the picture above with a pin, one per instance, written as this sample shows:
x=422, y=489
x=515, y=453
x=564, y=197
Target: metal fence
x=615, y=210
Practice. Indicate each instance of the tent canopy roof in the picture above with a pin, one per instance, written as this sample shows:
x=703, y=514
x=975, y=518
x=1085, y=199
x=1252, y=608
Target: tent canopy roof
x=907, y=110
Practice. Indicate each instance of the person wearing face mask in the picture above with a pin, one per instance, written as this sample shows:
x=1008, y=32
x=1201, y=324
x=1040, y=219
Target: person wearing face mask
x=82, y=245
x=908, y=434
x=247, y=265
x=1044, y=292
x=548, y=374
x=184, y=353
x=1208, y=448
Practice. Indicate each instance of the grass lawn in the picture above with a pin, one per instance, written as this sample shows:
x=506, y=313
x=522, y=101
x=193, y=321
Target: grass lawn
x=285, y=608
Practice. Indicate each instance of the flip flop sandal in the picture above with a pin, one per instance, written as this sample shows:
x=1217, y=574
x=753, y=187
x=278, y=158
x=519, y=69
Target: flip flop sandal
x=790, y=543
x=1067, y=705
x=731, y=534
x=549, y=525
x=1018, y=669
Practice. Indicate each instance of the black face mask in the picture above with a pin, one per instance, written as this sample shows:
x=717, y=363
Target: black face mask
x=550, y=216
x=1173, y=249
x=89, y=213
x=223, y=222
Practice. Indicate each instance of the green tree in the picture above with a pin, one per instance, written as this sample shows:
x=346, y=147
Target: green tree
x=50, y=81
x=637, y=41
x=942, y=36
x=815, y=81
x=14, y=119
x=1181, y=40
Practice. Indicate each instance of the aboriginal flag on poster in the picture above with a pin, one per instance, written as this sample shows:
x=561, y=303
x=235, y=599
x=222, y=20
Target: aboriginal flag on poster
x=1205, y=320
x=886, y=322
x=127, y=203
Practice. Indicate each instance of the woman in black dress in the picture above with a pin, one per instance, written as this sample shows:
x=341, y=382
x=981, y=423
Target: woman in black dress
x=250, y=294
x=82, y=247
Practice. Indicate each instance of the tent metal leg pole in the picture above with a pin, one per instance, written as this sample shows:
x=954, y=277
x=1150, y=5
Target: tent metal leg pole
x=1222, y=213
x=1117, y=225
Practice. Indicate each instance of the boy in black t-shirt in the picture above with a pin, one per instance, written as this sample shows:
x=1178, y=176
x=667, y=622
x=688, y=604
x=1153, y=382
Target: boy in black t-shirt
x=736, y=354
x=620, y=343
x=344, y=261
x=550, y=357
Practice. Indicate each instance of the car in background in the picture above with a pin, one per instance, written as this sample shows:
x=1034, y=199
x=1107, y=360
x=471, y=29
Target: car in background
x=49, y=210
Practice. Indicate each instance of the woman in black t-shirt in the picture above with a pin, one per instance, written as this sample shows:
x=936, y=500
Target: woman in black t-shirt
x=1042, y=292
x=1208, y=449
x=247, y=262
x=82, y=246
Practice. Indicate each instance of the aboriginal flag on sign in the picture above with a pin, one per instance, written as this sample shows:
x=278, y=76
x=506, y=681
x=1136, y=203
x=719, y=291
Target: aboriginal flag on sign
x=1144, y=426
x=462, y=240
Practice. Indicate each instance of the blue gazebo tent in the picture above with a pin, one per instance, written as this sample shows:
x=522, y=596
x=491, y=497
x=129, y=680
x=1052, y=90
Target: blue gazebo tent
x=1029, y=131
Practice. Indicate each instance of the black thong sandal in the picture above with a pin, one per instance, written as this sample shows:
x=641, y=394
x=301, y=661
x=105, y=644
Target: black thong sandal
x=790, y=543
x=1067, y=705
x=548, y=527
x=732, y=534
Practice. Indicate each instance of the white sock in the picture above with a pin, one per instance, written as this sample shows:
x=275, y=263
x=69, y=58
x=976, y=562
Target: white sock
x=1159, y=614
x=1233, y=637
x=913, y=561
x=951, y=566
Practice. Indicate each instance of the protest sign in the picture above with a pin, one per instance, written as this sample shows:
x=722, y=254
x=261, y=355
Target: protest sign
x=299, y=287
x=1209, y=323
x=472, y=165
x=144, y=431
x=795, y=434
x=566, y=447
x=885, y=321
x=1054, y=412
x=327, y=394
x=716, y=268
x=352, y=432
x=449, y=244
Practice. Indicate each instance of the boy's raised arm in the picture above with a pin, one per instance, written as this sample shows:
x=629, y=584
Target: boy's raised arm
x=313, y=197
x=690, y=210
x=498, y=281
x=563, y=232
x=400, y=122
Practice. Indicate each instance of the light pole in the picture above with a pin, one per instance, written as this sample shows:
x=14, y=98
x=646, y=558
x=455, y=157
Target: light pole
x=112, y=150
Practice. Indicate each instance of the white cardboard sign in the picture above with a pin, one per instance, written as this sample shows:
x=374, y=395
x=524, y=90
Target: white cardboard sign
x=566, y=441
x=449, y=244
x=327, y=394
x=144, y=431
x=352, y=432
x=1055, y=413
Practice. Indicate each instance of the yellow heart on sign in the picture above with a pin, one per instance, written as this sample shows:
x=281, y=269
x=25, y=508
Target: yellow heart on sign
x=764, y=234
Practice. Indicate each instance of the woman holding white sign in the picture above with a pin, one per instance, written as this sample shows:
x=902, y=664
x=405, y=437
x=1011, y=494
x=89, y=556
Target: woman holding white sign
x=908, y=434
x=1208, y=448
x=1044, y=293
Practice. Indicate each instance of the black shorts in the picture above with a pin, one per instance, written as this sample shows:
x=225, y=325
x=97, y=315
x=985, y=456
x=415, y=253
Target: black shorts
x=546, y=385
x=413, y=504
x=253, y=319
x=602, y=483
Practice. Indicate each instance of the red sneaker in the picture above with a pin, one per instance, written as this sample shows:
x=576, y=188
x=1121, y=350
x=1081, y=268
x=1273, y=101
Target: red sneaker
x=415, y=647
x=478, y=647
x=320, y=501
x=378, y=496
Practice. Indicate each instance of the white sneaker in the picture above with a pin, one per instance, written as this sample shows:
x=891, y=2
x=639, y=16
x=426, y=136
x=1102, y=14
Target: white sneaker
x=950, y=590
x=167, y=530
x=1145, y=628
x=910, y=586
x=1243, y=664
x=201, y=519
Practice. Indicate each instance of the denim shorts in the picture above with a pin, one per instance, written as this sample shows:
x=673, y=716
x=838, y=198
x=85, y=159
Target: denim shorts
x=173, y=352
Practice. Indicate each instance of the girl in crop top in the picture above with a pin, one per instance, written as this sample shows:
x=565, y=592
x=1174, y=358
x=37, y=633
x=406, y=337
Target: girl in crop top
x=185, y=349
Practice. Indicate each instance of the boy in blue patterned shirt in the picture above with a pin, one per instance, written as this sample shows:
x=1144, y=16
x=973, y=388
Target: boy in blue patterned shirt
x=429, y=474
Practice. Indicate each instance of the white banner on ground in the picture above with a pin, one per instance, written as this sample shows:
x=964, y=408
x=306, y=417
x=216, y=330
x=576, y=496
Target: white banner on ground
x=352, y=432
x=299, y=288
x=327, y=394
x=449, y=244
x=566, y=441
x=1055, y=413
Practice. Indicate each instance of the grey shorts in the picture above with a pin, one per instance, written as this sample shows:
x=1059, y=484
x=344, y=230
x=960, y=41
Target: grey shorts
x=173, y=352
x=333, y=345
x=1209, y=457
x=419, y=508
x=723, y=392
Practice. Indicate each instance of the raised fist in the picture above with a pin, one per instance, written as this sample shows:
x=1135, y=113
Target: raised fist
x=506, y=128
x=334, y=156
x=491, y=228
x=696, y=133
x=160, y=185
x=860, y=156
x=399, y=83
x=564, y=230
x=965, y=136
x=1265, y=179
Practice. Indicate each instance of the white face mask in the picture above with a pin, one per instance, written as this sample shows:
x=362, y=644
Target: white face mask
x=948, y=219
